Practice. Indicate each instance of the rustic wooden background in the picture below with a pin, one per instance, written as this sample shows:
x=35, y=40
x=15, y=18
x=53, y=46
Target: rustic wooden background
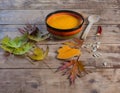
x=17, y=75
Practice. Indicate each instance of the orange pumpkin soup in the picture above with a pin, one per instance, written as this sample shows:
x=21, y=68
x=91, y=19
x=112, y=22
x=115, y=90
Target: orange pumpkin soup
x=63, y=21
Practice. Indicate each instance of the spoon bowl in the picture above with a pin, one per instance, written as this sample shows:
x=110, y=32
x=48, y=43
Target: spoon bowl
x=93, y=18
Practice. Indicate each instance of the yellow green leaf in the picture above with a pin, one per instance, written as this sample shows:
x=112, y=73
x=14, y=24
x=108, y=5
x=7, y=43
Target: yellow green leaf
x=39, y=54
x=38, y=37
x=5, y=40
x=23, y=49
x=6, y=48
x=15, y=42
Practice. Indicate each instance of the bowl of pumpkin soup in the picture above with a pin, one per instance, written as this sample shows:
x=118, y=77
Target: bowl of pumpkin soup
x=64, y=24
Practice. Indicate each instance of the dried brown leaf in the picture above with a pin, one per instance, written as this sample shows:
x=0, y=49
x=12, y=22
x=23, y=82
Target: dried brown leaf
x=76, y=43
x=73, y=69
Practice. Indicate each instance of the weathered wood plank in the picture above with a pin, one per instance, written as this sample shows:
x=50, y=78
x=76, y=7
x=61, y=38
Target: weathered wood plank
x=90, y=39
x=45, y=81
x=111, y=31
x=108, y=30
x=108, y=16
x=17, y=75
x=110, y=55
x=58, y=4
x=110, y=34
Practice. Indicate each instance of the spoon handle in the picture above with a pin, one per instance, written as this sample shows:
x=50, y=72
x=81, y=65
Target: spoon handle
x=85, y=33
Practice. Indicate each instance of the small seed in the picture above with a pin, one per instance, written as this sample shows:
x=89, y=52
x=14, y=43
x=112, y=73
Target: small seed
x=94, y=50
x=98, y=43
x=97, y=46
x=94, y=45
x=94, y=55
x=105, y=64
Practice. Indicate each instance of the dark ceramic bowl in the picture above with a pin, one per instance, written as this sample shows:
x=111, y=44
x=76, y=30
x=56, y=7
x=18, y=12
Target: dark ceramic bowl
x=65, y=33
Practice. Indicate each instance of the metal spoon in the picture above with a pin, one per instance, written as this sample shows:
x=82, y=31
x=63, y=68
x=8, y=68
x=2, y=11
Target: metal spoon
x=92, y=19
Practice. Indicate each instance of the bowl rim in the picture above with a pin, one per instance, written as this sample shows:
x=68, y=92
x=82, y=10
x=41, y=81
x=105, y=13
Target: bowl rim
x=64, y=30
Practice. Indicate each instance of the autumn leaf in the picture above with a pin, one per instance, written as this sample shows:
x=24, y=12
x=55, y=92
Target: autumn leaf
x=70, y=43
x=39, y=54
x=23, y=49
x=73, y=69
x=67, y=52
x=18, y=51
x=13, y=43
x=78, y=42
x=16, y=46
x=33, y=33
x=30, y=29
x=75, y=43
x=6, y=48
x=39, y=37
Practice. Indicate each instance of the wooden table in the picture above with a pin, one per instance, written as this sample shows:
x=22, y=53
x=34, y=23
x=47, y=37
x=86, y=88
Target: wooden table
x=17, y=75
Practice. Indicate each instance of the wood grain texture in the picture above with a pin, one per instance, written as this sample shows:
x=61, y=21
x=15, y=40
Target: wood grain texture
x=58, y=4
x=20, y=62
x=45, y=81
x=108, y=16
x=18, y=75
x=108, y=30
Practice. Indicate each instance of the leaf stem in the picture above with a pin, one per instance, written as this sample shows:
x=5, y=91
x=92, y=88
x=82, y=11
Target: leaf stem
x=78, y=58
x=48, y=66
